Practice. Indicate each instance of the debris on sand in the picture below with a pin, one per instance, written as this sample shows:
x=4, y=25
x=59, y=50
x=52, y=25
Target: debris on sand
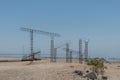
x=104, y=78
x=91, y=75
x=78, y=72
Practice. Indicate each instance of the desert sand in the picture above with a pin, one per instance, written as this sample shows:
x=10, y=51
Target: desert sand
x=44, y=70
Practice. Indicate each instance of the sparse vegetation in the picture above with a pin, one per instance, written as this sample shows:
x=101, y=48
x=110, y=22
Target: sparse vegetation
x=98, y=65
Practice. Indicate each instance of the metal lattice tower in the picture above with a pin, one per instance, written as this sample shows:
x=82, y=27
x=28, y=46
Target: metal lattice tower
x=67, y=52
x=80, y=51
x=86, y=50
x=70, y=56
x=55, y=55
x=52, y=35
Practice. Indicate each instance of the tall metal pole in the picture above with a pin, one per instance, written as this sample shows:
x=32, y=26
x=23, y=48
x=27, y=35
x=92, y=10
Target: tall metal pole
x=52, y=48
x=55, y=54
x=80, y=51
x=86, y=50
x=31, y=42
x=70, y=57
x=67, y=52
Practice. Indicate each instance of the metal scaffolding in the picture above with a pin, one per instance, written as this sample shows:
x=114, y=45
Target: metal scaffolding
x=80, y=51
x=52, y=35
x=86, y=50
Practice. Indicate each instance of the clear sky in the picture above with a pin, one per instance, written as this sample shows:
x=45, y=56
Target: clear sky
x=97, y=20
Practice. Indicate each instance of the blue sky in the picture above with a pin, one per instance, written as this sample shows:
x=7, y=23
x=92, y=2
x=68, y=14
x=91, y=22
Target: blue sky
x=97, y=20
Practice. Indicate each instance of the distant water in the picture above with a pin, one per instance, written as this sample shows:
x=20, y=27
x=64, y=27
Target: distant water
x=38, y=55
x=12, y=55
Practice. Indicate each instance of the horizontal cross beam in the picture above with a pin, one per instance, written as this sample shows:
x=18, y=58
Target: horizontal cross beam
x=41, y=32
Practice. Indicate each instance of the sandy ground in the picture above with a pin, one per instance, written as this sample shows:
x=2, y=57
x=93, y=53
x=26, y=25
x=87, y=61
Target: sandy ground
x=113, y=71
x=44, y=70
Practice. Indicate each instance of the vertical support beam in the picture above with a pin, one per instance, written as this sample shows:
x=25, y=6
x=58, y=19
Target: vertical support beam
x=67, y=52
x=80, y=51
x=55, y=54
x=52, y=48
x=86, y=50
x=31, y=42
x=70, y=60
